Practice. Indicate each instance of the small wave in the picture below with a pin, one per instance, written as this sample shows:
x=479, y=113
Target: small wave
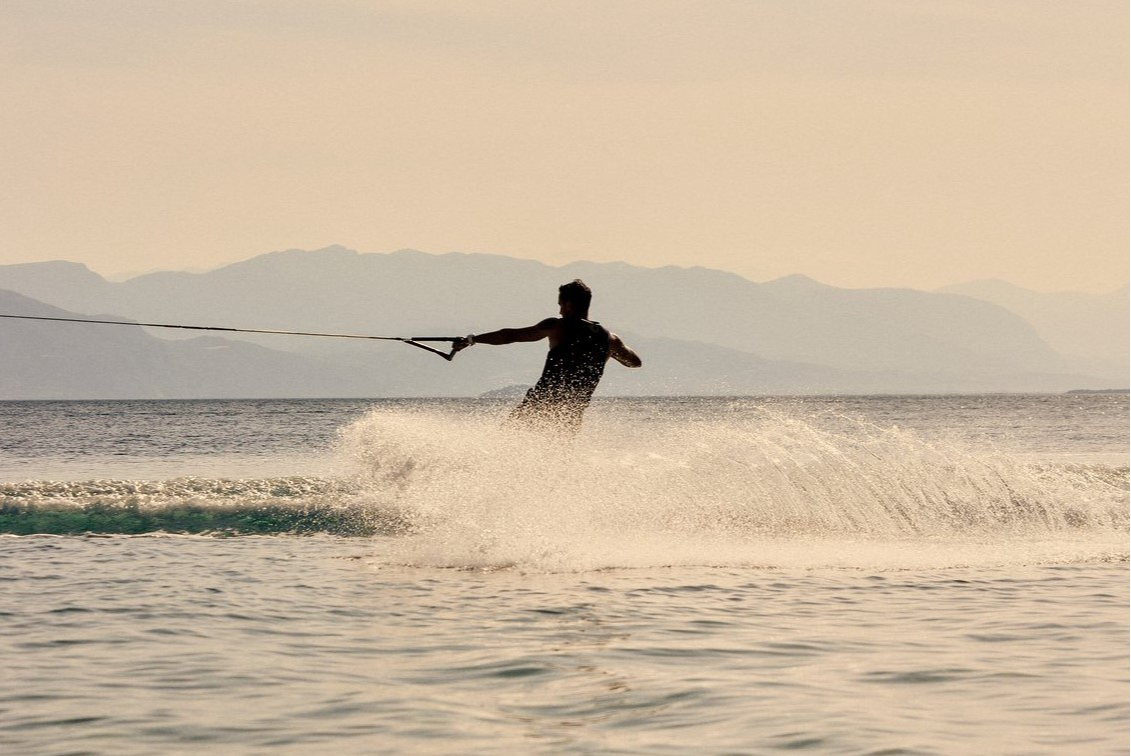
x=221, y=507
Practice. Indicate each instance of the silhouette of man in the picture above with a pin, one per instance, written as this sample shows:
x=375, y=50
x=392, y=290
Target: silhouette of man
x=579, y=349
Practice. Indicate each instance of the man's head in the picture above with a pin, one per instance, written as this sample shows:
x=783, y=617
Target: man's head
x=574, y=298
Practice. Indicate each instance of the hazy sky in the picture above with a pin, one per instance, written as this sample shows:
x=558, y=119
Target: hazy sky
x=864, y=143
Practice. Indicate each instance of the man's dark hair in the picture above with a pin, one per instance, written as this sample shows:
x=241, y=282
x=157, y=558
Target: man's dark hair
x=577, y=293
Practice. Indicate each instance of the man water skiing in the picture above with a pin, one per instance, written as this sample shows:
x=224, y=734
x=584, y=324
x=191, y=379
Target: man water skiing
x=579, y=349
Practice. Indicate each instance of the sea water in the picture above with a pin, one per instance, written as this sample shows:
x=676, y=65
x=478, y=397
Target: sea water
x=920, y=575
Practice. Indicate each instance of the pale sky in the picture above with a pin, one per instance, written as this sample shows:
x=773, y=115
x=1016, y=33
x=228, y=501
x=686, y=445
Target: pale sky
x=861, y=142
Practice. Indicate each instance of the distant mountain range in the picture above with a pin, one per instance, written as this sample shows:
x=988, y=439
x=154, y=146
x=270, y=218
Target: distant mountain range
x=699, y=331
x=1091, y=331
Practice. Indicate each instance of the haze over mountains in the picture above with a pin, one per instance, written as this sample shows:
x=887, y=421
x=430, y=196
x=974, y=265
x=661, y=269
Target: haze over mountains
x=699, y=331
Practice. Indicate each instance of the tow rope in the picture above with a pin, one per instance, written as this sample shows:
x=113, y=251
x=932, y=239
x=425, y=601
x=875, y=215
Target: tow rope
x=414, y=340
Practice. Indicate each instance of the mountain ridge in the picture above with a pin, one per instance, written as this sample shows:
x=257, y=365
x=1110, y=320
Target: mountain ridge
x=790, y=335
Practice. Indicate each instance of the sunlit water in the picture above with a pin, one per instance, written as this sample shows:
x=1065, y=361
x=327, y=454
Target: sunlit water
x=851, y=575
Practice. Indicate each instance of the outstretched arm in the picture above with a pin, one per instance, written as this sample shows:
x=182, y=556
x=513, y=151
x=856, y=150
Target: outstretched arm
x=508, y=335
x=622, y=353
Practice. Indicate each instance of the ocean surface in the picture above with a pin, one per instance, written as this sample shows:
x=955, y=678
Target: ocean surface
x=841, y=575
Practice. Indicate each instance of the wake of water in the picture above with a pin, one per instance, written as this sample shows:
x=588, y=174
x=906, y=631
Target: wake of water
x=201, y=506
x=770, y=489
